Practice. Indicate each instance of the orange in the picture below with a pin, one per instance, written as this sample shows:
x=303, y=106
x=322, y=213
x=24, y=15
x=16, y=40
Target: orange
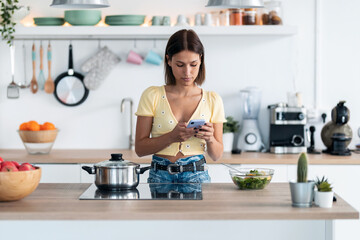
x=33, y=126
x=24, y=126
x=47, y=126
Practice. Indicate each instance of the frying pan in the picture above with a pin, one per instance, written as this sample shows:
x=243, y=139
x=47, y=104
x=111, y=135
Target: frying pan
x=69, y=86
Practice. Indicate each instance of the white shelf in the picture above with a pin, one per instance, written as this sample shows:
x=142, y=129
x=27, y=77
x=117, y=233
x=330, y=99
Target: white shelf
x=139, y=32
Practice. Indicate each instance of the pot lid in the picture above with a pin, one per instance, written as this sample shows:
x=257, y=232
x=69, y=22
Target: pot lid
x=116, y=161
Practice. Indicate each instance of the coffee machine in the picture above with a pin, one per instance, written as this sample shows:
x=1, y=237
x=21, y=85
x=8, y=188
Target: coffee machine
x=249, y=137
x=287, y=129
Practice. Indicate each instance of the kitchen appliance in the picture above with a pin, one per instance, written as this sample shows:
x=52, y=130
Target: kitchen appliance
x=148, y=191
x=287, y=129
x=69, y=86
x=249, y=137
x=337, y=134
x=116, y=173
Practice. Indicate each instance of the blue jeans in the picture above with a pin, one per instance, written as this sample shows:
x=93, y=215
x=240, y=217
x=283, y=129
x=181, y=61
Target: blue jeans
x=163, y=176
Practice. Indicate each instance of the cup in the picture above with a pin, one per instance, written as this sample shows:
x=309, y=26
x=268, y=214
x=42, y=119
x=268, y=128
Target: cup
x=166, y=21
x=153, y=58
x=208, y=19
x=181, y=20
x=198, y=19
x=134, y=58
x=156, y=20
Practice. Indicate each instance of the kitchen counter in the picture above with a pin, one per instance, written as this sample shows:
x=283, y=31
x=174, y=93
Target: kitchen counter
x=224, y=212
x=91, y=156
x=221, y=201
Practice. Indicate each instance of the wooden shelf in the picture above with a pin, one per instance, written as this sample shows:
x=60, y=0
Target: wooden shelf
x=144, y=32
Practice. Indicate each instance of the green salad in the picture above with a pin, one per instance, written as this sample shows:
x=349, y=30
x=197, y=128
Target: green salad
x=252, y=180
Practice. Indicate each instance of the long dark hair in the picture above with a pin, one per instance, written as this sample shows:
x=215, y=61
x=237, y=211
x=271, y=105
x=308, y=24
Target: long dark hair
x=184, y=40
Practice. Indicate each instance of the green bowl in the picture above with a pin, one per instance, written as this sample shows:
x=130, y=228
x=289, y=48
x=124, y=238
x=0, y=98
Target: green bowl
x=83, y=17
x=49, y=21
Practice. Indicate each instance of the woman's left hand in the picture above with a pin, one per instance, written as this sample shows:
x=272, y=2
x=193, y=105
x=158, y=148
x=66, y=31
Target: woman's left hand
x=206, y=132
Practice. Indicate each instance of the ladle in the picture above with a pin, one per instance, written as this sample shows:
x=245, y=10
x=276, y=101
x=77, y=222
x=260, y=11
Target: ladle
x=33, y=83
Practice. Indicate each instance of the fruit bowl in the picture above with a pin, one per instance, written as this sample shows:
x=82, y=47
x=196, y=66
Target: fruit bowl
x=17, y=185
x=251, y=178
x=38, y=142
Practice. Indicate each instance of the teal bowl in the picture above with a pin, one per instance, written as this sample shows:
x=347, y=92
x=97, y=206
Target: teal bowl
x=83, y=17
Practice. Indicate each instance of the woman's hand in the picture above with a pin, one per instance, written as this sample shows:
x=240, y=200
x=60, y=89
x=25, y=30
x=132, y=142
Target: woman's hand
x=180, y=133
x=205, y=132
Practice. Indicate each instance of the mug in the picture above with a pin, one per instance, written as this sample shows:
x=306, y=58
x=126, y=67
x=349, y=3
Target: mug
x=153, y=58
x=156, y=20
x=134, y=58
x=166, y=21
x=181, y=20
x=208, y=19
x=198, y=19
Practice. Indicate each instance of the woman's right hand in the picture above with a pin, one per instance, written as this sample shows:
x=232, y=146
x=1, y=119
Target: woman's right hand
x=180, y=133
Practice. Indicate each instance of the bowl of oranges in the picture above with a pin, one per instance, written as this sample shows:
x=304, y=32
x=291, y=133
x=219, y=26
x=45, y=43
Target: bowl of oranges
x=38, y=138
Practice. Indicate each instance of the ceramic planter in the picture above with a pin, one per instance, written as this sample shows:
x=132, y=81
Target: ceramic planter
x=302, y=194
x=228, y=139
x=324, y=199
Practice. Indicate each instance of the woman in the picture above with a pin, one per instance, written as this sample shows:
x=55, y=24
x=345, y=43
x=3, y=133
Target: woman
x=165, y=111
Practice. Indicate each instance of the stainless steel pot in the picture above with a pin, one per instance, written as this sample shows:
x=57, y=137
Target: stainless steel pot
x=116, y=173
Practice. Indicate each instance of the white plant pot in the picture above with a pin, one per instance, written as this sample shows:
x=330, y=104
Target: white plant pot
x=324, y=199
x=228, y=139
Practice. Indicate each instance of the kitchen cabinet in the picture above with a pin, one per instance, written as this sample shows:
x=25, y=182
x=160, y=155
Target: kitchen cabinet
x=59, y=173
x=140, y=32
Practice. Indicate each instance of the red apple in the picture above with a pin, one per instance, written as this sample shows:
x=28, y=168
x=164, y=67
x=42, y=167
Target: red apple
x=26, y=167
x=8, y=166
x=1, y=160
x=16, y=164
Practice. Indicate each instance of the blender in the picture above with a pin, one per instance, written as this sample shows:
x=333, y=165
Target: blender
x=249, y=137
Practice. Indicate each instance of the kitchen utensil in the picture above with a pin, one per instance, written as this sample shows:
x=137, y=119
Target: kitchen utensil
x=41, y=78
x=134, y=58
x=49, y=84
x=69, y=86
x=33, y=83
x=227, y=165
x=116, y=173
x=13, y=89
x=153, y=58
x=82, y=17
x=25, y=84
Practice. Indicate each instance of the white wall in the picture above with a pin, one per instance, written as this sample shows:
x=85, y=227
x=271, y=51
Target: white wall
x=232, y=63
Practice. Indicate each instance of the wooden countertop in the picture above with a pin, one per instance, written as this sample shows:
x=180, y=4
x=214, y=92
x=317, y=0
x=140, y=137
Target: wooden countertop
x=221, y=201
x=86, y=156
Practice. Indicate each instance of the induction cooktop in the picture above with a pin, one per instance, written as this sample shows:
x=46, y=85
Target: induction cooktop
x=148, y=191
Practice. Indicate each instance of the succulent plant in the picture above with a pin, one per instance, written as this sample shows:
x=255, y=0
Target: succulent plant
x=302, y=168
x=323, y=185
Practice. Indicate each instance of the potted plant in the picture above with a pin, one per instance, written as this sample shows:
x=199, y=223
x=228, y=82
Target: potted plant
x=230, y=127
x=324, y=194
x=302, y=190
x=7, y=23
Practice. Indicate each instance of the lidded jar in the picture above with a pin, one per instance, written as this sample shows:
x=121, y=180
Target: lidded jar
x=272, y=13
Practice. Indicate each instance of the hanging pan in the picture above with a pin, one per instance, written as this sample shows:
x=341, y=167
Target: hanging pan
x=69, y=86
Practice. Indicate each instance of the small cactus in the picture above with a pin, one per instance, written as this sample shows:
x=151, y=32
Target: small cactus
x=302, y=168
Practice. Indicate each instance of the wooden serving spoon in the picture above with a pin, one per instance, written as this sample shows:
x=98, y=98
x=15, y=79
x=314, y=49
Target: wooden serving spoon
x=49, y=84
x=33, y=83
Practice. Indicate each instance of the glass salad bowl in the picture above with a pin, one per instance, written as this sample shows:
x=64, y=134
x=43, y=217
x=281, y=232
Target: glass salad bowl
x=251, y=178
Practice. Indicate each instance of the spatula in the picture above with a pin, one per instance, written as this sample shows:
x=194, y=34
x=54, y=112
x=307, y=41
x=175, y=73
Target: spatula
x=33, y=83
x=49, y=84
x=13, y=89
x=41, y=78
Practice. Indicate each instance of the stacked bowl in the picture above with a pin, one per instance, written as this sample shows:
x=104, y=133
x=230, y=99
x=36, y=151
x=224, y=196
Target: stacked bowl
x=125, y=20
x=83, y=17
x=49, y=21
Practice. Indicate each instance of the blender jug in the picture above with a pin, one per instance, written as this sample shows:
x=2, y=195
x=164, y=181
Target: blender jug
x=249, y=137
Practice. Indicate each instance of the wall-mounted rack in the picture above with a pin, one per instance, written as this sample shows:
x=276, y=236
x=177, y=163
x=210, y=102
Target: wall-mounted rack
x=144, y=32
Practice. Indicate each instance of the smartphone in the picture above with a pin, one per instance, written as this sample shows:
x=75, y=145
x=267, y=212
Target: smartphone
x=196, y=123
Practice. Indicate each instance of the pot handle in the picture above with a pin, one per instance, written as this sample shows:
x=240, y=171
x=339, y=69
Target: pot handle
x=90, y=170
x=142, y=170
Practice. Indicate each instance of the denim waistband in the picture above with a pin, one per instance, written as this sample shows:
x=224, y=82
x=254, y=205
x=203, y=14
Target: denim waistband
x=180, y=161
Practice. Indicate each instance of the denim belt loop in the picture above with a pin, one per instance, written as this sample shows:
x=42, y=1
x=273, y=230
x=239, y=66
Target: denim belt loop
x=194, y=166
x=155, y=170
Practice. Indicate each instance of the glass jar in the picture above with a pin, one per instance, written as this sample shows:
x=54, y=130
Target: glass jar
x=249, y=17
x=224, y=17
x=272, y=13
x=235, y=16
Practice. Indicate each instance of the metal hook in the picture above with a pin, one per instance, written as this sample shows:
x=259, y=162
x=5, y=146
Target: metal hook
x=154, y=43
x=135, y=43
